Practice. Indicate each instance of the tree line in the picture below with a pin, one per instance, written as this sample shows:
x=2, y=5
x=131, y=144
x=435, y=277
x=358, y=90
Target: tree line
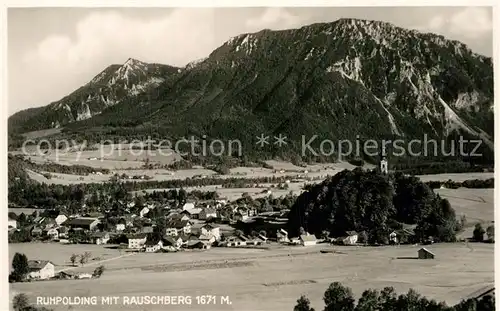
x=338, y=297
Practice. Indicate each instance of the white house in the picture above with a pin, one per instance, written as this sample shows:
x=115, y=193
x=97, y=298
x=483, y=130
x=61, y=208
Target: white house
x=307, y=239
x=60, y=219
x=393, y=237
x=176, y=227
x=209, y=229
x=351, y=238
x=137, y=241
x=120, y=227
x=12, y=223
x=188, y=206
x=100, y=238
x=40, y=269
x=153, y=246
x=144, y=211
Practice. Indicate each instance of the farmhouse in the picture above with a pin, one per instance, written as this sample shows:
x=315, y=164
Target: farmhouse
x=207, y=213
x=212, y=230
x=307, y=239
x=99, y=238
x=153, y=245
x=173, y=242
x=136, y=241
x=86, y=223
x=424, y=253
x=351, y=238
x=40, y=269
x=176, y=227
x=193, y=213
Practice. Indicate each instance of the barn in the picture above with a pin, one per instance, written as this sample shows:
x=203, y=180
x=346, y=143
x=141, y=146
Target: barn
x=424, y=253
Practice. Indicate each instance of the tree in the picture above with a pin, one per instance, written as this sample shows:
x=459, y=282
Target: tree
x=303, y=304
x=369, y=300
x=20, y=302
x=73, y=259
x=98, y=272
x=20, y=266
x=338, y=298
x=490, y=231
x=478, y=233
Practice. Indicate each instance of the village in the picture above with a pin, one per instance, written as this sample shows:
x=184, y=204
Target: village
x=156, y=228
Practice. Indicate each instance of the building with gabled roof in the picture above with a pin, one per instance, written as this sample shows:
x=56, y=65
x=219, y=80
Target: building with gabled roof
x=40, y=269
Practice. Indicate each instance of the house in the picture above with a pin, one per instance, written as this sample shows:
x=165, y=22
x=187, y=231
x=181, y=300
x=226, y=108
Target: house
x=84, y=276
x=144, y=211
x=86, y=223
x=62, y=232
x=393, y=237
x=173, y=242
x=40, y=269
x=197, y=244
x=136, y=241
x=147, y=228
x=175, y=227
x=282, y=236
x=261, y=239
x=178, y=216
x=236, y=241
x=120, y=227
x=193, y=213
x=100, y=238
x=52, y=233
x=188, y=206
x=406, y=235
x=207, y=239
x=351, y=238
x=60, y=219
x=307, y=239
x=240, y=216
x=424, y=253
x=36, y=231
x=207, y=213
x=210, y=229
x=12, y=223
x=153, y=245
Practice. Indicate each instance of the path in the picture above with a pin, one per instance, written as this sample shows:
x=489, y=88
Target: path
x=96, y=262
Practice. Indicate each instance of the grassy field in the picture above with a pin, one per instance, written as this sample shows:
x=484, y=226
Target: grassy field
x=274, y=279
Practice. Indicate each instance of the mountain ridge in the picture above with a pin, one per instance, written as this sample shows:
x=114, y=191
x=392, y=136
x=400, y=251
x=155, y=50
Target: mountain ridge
x=336, y=79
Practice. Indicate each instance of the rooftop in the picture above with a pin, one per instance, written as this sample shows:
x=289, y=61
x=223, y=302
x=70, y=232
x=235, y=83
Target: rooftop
x=35, y=265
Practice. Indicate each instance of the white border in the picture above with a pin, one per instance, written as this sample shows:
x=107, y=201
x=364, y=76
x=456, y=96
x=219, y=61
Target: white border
x=4, y=261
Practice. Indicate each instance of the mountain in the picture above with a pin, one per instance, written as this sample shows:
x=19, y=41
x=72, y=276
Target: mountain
x=110, y=87
x=342, y=80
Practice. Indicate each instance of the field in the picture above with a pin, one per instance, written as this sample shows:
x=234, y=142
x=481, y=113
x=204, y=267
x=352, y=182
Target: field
x=274, y=279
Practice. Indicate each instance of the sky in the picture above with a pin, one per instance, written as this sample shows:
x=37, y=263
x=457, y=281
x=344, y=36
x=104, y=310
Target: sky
x=53, y=51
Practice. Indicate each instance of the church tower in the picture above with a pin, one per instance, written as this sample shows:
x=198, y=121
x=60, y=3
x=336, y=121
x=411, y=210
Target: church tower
x=383, y=166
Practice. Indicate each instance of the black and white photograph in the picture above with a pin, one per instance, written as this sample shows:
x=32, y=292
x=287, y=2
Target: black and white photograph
x=250, y=158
